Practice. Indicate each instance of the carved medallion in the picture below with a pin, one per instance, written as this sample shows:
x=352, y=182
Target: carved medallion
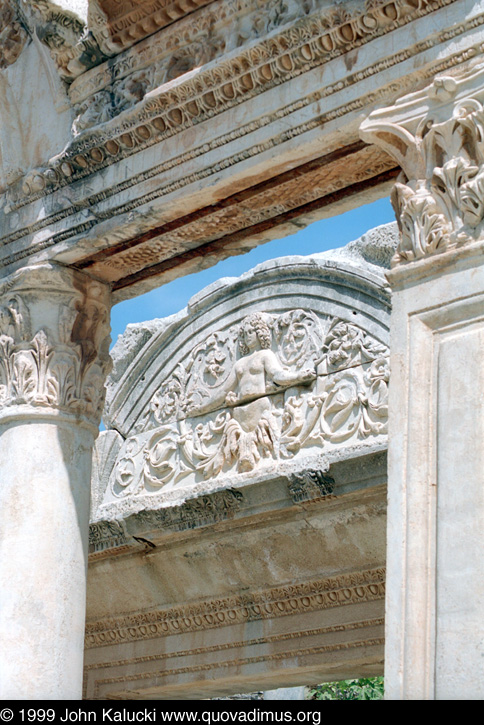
x=254, y=395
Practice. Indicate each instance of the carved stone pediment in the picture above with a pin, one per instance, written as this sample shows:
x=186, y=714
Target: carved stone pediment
x=240, y=388
x=315, y=383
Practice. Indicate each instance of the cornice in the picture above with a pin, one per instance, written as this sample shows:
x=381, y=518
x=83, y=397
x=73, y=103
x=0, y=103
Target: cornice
x=225, y=83
x=72, y=47
x=115, y=537
x=119, y=24
x=322, y=594
x=47, y=221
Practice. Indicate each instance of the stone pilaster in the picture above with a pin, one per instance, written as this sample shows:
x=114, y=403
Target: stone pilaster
x=435, y=590
x=54, y=339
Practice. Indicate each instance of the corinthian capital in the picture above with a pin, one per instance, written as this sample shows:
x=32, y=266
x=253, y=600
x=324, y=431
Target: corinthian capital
x=54, y=342
x=437, y=137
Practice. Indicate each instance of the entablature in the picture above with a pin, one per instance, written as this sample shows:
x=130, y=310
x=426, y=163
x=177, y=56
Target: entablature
x=232, y=125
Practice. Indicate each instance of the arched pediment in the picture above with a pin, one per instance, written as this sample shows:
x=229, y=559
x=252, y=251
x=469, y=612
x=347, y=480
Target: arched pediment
x=284, y=368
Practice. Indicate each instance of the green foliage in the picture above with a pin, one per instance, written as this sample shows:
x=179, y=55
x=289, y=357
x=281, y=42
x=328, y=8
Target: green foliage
x=370, y=688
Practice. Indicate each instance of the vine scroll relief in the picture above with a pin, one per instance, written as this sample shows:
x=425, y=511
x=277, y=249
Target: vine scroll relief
x=253, y=395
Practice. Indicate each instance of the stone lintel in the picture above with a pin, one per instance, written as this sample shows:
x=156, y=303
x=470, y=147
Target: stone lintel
x=321, y=482
x=153, y=188
x=226, y=620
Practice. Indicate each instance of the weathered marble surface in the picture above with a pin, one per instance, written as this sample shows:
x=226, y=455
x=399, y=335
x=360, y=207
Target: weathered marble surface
x=54, y=342
x=177, y=145
x=270, y=371
x=268, y=571
x=137, y=150
x=435, y=595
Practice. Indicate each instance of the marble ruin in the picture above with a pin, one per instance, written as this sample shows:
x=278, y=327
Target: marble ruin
x=252, y=424
x=240, y=534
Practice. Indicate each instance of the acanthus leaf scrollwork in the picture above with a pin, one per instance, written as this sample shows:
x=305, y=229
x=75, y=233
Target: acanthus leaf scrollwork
x=255, y=394
x=62, y=363
x=439, y=199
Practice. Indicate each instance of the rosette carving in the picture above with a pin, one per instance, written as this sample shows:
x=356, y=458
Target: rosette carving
x=254, y=394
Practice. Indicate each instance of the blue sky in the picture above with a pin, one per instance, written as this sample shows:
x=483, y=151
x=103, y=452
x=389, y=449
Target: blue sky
x=317, y=237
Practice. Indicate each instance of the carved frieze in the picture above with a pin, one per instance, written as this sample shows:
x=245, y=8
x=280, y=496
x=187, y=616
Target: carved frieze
x=194, y=41
x=224, y=27
x=117, y=24
x=437, y=136
x=106, y=535
x=310, y=485
x=287, y=193
x=71, y=46
x=254, y=394
x=201, y=511
x=252, y=606
x=197, y=512
x=54, y=342
x=236, y=77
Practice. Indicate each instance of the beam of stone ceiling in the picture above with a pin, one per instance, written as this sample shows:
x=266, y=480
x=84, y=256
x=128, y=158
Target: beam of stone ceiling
x=218, y=230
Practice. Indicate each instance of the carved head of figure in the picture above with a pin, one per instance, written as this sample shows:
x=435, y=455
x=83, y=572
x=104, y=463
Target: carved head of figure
x=10, y=321
x=254, y=329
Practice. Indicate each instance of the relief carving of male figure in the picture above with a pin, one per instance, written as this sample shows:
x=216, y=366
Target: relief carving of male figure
x=253, y=428
x=261, y=389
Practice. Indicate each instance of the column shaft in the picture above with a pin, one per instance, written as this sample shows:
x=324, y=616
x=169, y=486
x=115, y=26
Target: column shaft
x=44, y=520
x=53, y=360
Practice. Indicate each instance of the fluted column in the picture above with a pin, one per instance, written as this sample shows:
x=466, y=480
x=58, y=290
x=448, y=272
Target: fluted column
x=54, y=340
x=435, y=574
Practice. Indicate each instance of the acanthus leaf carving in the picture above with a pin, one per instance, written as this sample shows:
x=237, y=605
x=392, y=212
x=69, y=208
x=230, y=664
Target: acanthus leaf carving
x=424, y=228
x=347, y=345
x=59, y=363
x=254, y=394
x=439, y=200
x=194, y=513
x=311, y=485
